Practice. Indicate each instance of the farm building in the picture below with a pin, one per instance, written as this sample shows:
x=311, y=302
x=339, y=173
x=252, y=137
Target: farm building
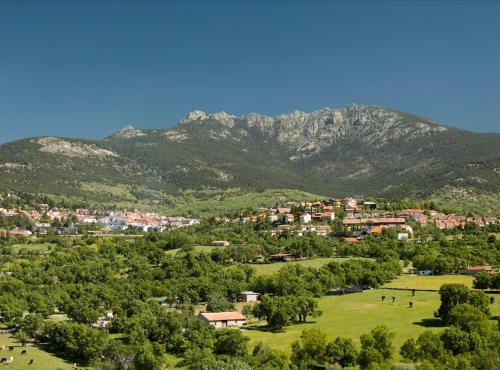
x=219, y=243
x=473, y=270
x=223, y=319
x=249, y=296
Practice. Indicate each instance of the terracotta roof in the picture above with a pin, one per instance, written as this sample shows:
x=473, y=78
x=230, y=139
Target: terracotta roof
x=351, y=239
x=473, y=268
x=222, y=316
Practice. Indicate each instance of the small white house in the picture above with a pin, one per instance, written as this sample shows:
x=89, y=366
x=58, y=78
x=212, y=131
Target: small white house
x=249, y=296
x=403, y=236
x=305, y=218
x=223, y=319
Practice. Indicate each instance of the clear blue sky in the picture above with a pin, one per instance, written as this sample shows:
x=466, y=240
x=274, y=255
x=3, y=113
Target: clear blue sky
x=87, y=69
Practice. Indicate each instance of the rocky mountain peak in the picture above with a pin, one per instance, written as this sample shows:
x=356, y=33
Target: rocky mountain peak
x=128, y=132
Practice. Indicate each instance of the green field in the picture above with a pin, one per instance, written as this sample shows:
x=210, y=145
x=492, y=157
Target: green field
x=271, y=268
x=429, y=282
x=354, y=314
x=196, y=248
x=39, y=247
x=41, y=359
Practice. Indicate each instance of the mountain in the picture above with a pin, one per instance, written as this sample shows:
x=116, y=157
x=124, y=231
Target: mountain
x=364, y=149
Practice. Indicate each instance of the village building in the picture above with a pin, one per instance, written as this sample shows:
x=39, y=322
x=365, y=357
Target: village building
x=223, y=319
x=219, y=243
x=305, y=218
x=474, y=270
x=249, y=296
x=289, y=218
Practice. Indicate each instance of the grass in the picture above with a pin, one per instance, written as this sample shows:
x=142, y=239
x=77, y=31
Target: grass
x=40, y=247
x=41, y=359
x=355, y=314
x=429, y=282
x=196, y=248
x=271, y=268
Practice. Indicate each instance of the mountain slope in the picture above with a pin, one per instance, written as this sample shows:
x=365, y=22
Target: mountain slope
x=356, y=149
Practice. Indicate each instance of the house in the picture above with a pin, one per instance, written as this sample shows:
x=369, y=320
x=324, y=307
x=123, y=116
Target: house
x=18, y=232
x=305, y=218
x=351, y=239
x=474, y=270
x=403, y=236
x=273, y=218
x=219, y=243
x=103, y=321
x=289, y=218
x=249, y=296
x=329, y=216
x=283, y=210
x=281, y=257
x=223, y=319
x=370, y=205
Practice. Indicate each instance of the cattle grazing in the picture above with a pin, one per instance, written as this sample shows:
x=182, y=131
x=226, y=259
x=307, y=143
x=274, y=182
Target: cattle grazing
x=31, y=361
x=3, y=359
x=383, y=298
x=11, y=348
x=393, y=299
x=2, y=347
x=411, y=304
x=23, y=352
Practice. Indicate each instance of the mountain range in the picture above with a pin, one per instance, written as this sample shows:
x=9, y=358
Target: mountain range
x=358, y=149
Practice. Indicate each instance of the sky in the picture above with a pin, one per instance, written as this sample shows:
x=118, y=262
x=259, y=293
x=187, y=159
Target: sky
x=86, y=69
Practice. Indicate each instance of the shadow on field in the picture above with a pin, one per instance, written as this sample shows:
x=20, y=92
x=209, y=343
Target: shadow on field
x=431, y=323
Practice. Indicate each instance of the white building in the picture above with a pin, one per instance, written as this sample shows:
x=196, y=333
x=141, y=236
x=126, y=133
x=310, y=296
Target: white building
x=305, y=218
x=249, y=296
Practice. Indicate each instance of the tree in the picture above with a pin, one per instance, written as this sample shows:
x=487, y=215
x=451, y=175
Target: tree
x=230, y=342
x=11, y=308
x=469, y=318
x=482, y=281
x=451, y=295
x=456, y=341
x=369, y=355
x=381, y=339
x=218, y=303
x=376, y=346
x=310, y=351
x=266, y=358
x=305, y=306
x=342, y=351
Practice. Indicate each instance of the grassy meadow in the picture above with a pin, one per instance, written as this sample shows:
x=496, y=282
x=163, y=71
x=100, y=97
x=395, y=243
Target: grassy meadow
x=355, y=314
x=271, y=268
x=429, y=282
x=41, y=359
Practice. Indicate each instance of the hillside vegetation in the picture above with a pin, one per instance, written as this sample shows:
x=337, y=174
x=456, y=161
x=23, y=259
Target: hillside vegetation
x=358, y=149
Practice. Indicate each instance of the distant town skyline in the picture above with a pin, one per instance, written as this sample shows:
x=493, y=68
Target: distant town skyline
x=87, y=69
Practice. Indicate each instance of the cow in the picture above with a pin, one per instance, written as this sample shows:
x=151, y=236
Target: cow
x=23, y=352
x=2, y=347
x=11, y=348
x=3, y=359
x=31, y=362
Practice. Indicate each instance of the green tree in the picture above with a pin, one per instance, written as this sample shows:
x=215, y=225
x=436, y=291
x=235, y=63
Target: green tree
x=482, y=281
x=230, y=342
x=310, y=351
x=342, y=351
x=451, y=296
